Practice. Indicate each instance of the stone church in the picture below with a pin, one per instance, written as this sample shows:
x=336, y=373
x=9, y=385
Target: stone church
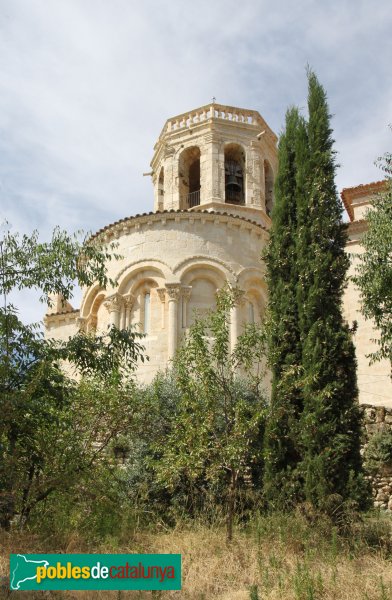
x=213, y=175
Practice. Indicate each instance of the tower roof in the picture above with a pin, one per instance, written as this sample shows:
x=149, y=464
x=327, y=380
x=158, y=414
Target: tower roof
x=219, y=112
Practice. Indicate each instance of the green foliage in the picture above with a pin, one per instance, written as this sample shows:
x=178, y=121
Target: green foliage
x=53, y=430
x=374, y=272
x=85, y=488
x=281, y=447
x=54, y=267
x=156, y=406
x=330, y=424
x=314, y=427
x=378, y=452
x=93, y=509
x=109, y=355
x=307, y=584
x=219, y=415
x=374, y=533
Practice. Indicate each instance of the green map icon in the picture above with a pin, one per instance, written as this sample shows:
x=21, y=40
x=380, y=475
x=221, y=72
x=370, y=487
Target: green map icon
x=24, y=570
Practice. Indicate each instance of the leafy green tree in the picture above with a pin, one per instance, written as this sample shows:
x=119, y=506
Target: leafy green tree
x=330, y=427
x=374, y=272
x=35, y=396
x=64, y=431
x=218, y=420
x=53, y=267
x=281, y=436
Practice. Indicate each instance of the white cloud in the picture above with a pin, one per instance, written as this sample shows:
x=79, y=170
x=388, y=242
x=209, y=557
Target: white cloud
x=85, y=87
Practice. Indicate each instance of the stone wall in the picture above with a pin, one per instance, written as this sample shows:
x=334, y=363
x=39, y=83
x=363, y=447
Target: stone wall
x=379, y=419
x=374, y=382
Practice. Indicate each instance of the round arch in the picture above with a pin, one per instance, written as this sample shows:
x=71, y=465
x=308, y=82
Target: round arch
x=90, y=298
x=235, y=173
x=203, y=271
x=201, y=261
x=155, y=269
x=252, y=281
x=189, y=176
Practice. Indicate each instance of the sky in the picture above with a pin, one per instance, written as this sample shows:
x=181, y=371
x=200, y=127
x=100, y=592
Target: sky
x=87, y=85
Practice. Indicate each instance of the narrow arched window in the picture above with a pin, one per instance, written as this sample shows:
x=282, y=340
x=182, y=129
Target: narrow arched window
x=161, y=189
x=268, y=188
x=147, y=312
x=234, y=174
x=183, y=312
x=251, y=312
x=189, y=177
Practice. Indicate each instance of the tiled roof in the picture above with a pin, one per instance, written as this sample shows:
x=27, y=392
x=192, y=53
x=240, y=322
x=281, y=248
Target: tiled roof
x=348, y=194
x=63, y=312
x=191, y=213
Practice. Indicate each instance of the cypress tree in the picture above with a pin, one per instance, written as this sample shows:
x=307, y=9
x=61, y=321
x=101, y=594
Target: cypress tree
x=281, y=448
x=329, y=432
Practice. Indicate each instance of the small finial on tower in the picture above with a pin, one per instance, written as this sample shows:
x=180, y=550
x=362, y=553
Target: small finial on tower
x=213, y=99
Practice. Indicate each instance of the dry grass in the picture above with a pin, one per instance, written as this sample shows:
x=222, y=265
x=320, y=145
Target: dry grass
x=284, y=562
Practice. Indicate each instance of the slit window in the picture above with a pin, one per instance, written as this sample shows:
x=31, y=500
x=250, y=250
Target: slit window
x=251, y=312
x=147, y=312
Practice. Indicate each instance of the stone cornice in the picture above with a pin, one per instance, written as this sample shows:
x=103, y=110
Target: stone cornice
x=61, y=317
x=64, y=313
x=124, y=226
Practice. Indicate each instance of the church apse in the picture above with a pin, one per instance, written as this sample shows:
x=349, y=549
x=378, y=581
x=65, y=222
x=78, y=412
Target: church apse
x=208, y=228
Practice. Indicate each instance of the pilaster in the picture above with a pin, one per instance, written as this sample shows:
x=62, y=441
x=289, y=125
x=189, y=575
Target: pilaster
x=173, y=292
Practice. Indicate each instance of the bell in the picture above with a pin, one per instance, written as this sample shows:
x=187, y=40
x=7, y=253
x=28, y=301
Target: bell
x=232, y=184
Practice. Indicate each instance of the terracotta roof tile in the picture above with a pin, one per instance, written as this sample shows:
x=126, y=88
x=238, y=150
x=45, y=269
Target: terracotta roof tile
x=162, y=212
x=348, y=194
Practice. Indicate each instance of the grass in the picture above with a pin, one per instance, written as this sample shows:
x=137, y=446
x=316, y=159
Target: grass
x=281, y=557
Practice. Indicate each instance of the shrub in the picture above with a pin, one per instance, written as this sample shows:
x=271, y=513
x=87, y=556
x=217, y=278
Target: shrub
x=378, y=452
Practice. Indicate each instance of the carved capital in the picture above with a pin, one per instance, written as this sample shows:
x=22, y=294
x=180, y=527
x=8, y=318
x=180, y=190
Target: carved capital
x=162, y=294
x=173, y=291
x=129, y=301
x=186, y=291
x=114, y=303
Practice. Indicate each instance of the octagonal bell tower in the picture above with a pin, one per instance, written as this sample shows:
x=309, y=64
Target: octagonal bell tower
x=216, y=158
